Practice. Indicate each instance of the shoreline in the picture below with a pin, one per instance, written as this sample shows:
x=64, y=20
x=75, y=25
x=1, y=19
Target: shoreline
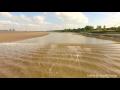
x=103, y=36
x=16, y=36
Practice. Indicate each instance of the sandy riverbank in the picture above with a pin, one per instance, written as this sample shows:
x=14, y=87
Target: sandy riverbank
x=15, y=36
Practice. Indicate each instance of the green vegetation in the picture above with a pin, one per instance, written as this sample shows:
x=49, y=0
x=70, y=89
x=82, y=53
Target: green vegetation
x=118, y=29
x=99, y=28
x=91, y=29
x=104, y=28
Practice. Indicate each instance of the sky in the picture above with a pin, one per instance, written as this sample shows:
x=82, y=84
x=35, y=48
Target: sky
x=42, y=21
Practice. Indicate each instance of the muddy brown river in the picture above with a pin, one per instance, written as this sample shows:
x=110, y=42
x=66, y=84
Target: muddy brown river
x=60, y=55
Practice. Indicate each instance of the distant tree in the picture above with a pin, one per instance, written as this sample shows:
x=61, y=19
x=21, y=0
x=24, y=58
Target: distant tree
x=89, y=28
x=69, y=30
x=118, y=29
x=104, y=28
x=78, y=30
x=114, y=28
x=75, y=30
x=82, y=29
x=99, y=27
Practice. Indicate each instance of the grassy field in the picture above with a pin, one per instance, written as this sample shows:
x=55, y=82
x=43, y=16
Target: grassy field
x=14, y=36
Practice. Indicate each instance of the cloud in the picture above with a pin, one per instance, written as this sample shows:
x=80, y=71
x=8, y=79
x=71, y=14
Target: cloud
x=111, y=20
x=20, y=17
x=8, y=23
x=72, y=19
x=6, y=14
x=45, y=13
x=14, y=24
x=55, y=27
x=69, y=20
x=106, y=13
x=38, y=19
x=23, y=17
x=32, y=25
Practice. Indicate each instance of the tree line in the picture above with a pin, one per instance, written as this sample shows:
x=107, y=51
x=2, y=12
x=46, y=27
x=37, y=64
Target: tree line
x=89, y=28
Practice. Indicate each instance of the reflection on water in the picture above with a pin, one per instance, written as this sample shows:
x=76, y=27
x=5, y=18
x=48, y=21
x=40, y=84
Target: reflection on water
x=59, y=60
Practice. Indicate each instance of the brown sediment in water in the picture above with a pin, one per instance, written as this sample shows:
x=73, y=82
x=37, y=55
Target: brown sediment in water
x=66, y=61
x=15, y=36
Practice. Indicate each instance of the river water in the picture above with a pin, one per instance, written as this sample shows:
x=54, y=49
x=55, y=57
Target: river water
x=59, y=55
x=66, y=38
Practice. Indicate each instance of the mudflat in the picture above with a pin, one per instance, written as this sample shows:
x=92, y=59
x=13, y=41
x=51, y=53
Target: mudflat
x=15, y=36
x=105, y=37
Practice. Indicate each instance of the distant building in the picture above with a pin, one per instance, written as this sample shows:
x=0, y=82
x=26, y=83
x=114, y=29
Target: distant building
x=10, y=29
x=13, y=29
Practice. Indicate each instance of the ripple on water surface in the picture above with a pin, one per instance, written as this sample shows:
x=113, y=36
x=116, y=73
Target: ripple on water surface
x=59, y=60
